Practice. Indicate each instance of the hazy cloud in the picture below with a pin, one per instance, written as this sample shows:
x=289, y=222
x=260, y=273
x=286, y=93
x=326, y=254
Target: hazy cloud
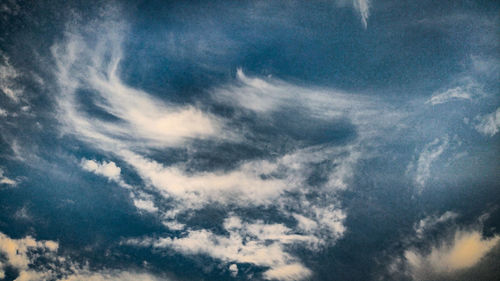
x=488, y=124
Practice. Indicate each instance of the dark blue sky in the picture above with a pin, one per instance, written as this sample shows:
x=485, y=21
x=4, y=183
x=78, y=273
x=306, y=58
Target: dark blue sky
x=249, y=140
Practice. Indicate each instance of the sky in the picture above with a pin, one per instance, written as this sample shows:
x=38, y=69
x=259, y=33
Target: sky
x=249, y=140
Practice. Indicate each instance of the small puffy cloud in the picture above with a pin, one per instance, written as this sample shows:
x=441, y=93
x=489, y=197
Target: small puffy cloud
x=233, y=268
x=464, y=250
x=106, y=169
x=488, y=124
x=146, y=205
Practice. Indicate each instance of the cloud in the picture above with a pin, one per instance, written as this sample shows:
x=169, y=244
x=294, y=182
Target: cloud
x=458, y=93
x=146, y=205
x=135, y=126
x=241, y=186
x=255, y=243
x=106, y=169
x=233, y=268
x=270, y=96
x=110, y=275
x=464, y=250
x=134, y=116
x=361, y=6
x=140, y=123
x=25, y=256
x=429, y=154
x=8, y=85
x=5, y=180
x=430, y=221
x=488, y=124
x=17, y=254
x=288, y=272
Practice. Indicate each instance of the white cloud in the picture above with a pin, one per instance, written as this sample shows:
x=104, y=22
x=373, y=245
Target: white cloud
x=109, y=275
x=17, y=255
x=304, y=223
x=241, y=186
x=430, y=221
x=23, y=255
x=464, y=250
x=146, y=205
x=144, y=120
x=106, y=169
x=143, y=124
x=458, y=93
x=5, y=180
x=267, y=96
x=255, y=243
x=288, y=272
x=8, y=85
x=233, y=268
x=361, y=6
x=488, y=124
x=429, y=154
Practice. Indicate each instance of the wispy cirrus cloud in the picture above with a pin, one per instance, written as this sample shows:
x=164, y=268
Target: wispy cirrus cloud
x=361, y=6
x=135, y=128
x=457, y=93
x=429, y=154
x=142, y=118
x=132, y=123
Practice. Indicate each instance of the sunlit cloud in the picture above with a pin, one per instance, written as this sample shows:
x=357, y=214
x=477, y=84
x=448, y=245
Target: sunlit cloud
x=464, y=250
